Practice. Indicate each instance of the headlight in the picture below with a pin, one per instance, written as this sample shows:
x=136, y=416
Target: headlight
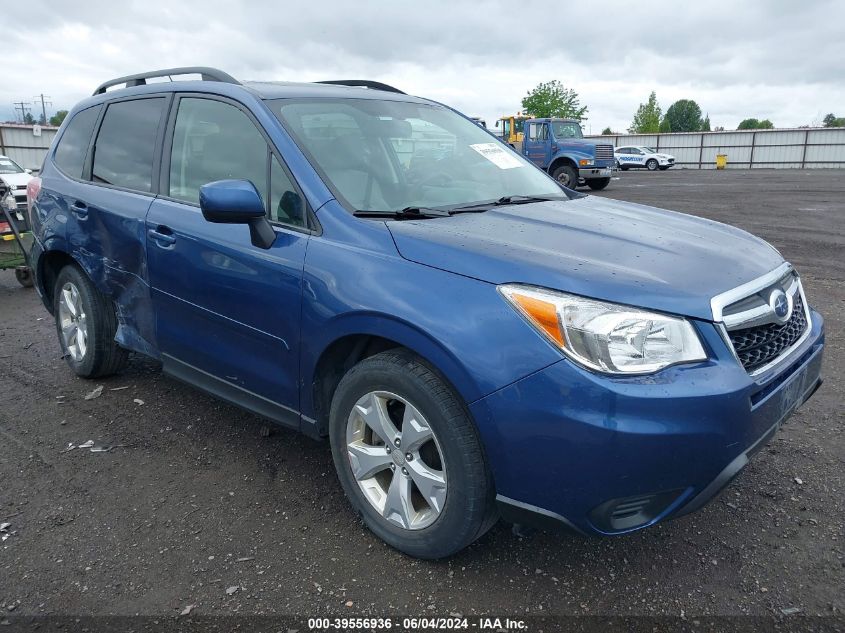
x=607, y=337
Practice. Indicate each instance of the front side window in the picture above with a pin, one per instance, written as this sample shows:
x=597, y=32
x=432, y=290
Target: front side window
x=123, y=152
x=73, y=146
x=214, y=141
x=384, y=156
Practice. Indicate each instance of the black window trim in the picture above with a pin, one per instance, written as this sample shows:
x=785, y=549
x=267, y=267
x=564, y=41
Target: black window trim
x=87, y=168
x=313, y=226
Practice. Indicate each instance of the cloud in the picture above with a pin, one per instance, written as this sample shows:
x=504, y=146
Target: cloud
x=777, y=60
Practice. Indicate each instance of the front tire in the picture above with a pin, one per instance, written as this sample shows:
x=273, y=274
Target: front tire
x=86, y=325
x=651, y=164
x=408, y=456
x=597, y=184
x=566, y=176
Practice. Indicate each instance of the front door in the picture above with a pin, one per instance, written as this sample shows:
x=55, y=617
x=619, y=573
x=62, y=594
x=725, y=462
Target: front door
x=536, y=146
x=227, y=312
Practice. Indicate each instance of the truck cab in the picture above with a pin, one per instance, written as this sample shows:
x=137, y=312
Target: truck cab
x=558, y=146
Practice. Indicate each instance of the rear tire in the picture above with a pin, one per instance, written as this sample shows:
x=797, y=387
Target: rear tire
x=651, y=164
x=566, y=176
x=86, y=324
x=597, y=184
x=447, y=500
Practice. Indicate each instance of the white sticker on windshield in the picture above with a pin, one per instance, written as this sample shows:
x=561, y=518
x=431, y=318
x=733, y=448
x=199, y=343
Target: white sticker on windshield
x=497, y=155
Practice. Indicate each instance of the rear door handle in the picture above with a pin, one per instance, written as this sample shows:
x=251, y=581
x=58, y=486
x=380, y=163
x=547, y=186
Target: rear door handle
x=163, y=236
x=79, y=209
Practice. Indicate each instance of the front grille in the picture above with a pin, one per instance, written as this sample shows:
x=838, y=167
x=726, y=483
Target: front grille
x=757, y=346
x=604, y=152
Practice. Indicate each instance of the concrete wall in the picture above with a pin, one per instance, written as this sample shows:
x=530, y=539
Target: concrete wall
x=795, y=148
x=20, y=143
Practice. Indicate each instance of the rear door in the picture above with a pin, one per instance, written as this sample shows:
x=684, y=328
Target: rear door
x=108, y=205
x=227, y=312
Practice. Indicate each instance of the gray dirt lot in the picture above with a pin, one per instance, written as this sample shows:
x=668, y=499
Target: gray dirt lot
x=194, y=500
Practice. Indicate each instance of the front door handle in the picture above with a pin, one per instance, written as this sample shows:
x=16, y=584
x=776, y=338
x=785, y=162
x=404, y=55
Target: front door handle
x=79, y=209
x=162, y=236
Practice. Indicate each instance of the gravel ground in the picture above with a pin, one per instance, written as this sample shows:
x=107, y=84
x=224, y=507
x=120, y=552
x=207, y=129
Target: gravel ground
x=192, y=506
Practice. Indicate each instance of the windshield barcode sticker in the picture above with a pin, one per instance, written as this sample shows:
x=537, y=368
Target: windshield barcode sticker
x=497, y=155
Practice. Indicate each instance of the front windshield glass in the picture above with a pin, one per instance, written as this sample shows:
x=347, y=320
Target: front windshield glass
x=8, y=166
x=385, y=156
x=567, y=129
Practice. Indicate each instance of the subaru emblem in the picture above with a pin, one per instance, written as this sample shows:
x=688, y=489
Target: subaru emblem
x=781, y=305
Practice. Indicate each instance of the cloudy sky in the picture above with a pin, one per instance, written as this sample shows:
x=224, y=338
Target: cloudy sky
x=781, y=60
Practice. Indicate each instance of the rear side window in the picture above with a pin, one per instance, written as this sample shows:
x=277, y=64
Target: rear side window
x=73, y=146
x=123, y=153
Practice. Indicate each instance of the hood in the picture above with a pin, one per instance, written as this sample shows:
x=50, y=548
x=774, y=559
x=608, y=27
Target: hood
x=16, y=180
x=600, y=248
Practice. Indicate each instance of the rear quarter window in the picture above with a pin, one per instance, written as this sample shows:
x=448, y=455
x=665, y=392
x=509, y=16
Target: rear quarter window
x=73, y=146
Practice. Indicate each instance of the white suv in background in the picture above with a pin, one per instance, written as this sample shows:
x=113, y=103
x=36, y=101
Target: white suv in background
x=14, y=178
x=641, y=156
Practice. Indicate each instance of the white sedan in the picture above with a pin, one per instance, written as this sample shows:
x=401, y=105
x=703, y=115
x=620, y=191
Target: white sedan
x=640, y=156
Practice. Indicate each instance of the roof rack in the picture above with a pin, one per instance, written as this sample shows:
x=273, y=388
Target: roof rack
x=366, y=83
x=207, y=74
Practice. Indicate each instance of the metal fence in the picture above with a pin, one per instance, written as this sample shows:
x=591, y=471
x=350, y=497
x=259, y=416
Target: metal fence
x=27, y=145
x=801, y=148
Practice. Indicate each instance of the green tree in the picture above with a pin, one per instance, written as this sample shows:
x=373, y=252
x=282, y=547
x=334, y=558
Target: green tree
x=754, y=124
x=552, y=99
x=607, y=132
x=705, y=124
x=665, y=126
x=647, y=117
x=683, y=116
x=831, y=120
x=27, y=118
x=57, y=118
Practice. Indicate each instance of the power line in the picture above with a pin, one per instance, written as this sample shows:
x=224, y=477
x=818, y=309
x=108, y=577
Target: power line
x=23, y=106
x=44, y=104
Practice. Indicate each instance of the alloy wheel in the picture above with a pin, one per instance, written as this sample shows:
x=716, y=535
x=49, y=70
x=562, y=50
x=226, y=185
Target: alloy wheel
x=396, y=460
x=73, y=322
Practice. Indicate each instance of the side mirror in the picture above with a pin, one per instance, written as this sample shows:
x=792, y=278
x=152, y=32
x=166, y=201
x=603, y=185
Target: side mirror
x=237, y=202
x=28, y=171
x=497, y=124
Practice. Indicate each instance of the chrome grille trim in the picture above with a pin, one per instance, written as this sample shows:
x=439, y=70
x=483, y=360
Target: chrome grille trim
x=604, y=152
x=760, y=315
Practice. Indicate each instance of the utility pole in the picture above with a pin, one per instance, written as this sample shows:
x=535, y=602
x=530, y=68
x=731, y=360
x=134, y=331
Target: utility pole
x=23, y=106
x=44, y=104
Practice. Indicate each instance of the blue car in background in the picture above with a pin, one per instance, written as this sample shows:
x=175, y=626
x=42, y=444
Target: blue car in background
x=474, y=340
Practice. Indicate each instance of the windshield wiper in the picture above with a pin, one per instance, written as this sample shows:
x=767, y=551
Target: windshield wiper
x=502, y=202
x=408, y=213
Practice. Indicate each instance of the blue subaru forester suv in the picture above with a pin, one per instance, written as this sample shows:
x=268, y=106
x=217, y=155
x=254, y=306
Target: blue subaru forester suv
x=474, y=340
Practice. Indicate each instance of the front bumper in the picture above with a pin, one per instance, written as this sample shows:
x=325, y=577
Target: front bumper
x=606, y=455
x=594, y=172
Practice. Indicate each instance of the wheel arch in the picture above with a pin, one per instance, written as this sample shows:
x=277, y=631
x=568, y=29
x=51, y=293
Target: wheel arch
x=49, y=264
x=562, y=160
x=360, y=337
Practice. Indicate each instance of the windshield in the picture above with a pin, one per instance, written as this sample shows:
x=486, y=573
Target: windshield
x=8, y=166
x=566, y=129
x=385, y=156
